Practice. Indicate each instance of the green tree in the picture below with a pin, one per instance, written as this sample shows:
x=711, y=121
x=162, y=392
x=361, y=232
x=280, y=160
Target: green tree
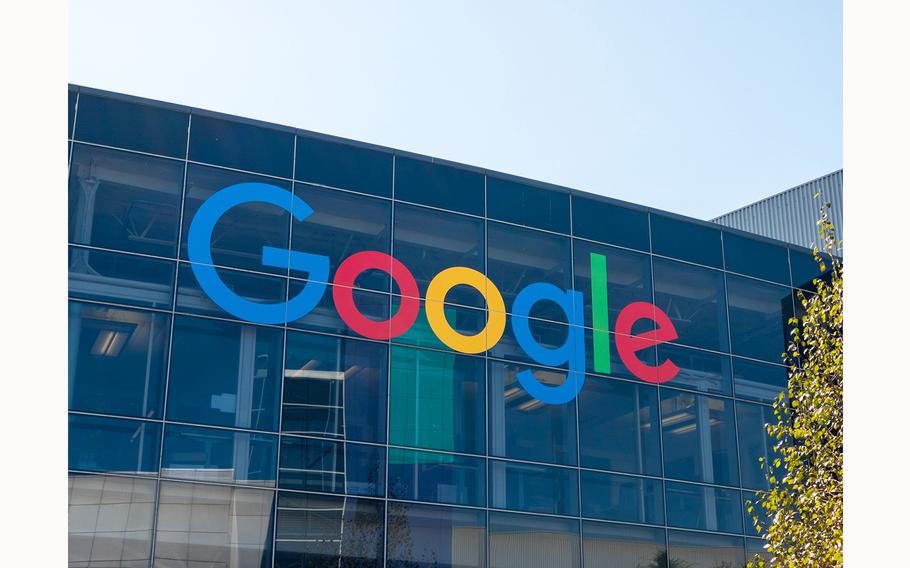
x=803, y=511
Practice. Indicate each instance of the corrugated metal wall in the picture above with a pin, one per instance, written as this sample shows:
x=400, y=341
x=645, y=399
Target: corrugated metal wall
x=791, y=215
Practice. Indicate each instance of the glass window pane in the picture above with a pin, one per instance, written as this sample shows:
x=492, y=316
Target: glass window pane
x=618, y=423
x=609, y=545
x=110, y=521
x=321, y=530
x=241, y=146
x=756, y=546
x=437, y=400
x=423, y=536
x=699, y=437
x=135, y=126
x=533, y=488
x=615, y=497
x=527, y=205
x=124, y=201
x=428, y=242
x=464, y=320
x=324, y=317
x=804, y=269
x=335, y=387
x=610, y=223
x=518, y=257
x=523, y=427
x=113, y=445
x=692, y=506
x=211, y=525
x=240, y=234
x=532, y=541
x=331, y=467
x=759, y=381
x=646, y=355
x=117, y=360
x=755, y=443
x=693, y=298
x=344, y=166
x=758, y=318
x=758, y=258
x=437, y=477
x=549, y=335
x=698, y=370
x=686, y=240
x=225, y=374
x=208, y=454
x=254, y=287
x=751, y=499
x=121, y=278
x=703, y=550
x=343, y=224
x=628, y=276
x=437, y=185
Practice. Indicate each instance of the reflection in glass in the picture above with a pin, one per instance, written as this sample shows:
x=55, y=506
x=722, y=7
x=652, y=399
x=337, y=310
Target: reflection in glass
x=241, y=146
x=225, y=374
x=211, y=525
x=324, y=317
x=699, y=438
x=693, y=297
x=113, y=445
x=757, y=546
x=436, y=477
x=531, y=541
x=686, y=240
x=758, y=258
x=324, y=531
x=527, y=205
x=758, y=381
x=438, y=185
x=335, y=387
x=751, y=499
x=117, y=360
x=701, y=507
x=422, y=536
x=533, y=488
x=703, y=550
x=437, y=400
x=618, y=425
x=616, y=497
x=755, y=443
x=110, y=521
x=253, y=287
x=609, y=545
x=124, y=201
x=698, y=370
x=227, y=456
x=758, y=318
x=121, y=278
x=344, y=165
x=136, y=126
x=331, y=467
x=523, y=427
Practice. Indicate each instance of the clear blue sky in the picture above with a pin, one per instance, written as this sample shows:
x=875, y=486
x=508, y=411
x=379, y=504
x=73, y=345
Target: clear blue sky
x=696, y=107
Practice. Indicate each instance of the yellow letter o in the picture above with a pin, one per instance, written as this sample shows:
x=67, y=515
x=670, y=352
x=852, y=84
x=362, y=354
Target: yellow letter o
x=496, y=309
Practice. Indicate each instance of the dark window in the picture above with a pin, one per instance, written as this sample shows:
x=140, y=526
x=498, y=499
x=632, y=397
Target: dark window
x=758, y=381
x=533, y=488
x=751, y=500
x=525, y=428
x=124, y=201
x=344, y=166
x=628, y=277
x=335, y=387
x=343, y=224
x=121, y=278
x=421, y=536
x=112, y=444
x=610, y=545
x=527, y=205
x=686, y=240
x=437, y=400
x=241, y=146
x=117, y=360
x=242, y=232
x=699, y=438
x=703, y=550
x=437, y=477
x=428, y=242
x=320, y=530
x=753, y=257
x=758, y=318
x=692, y=506
x=324, y=317
x=615, y=497
x=219, y=455
x=206, y=525
x=135, y=126
x=618, y=424
x=518, y=257
x=531, y=541
x=225, y=374
x=698, y=370
x=437, y=185
x=610, y=223
x=693, y=298
x=254, y=287
x=756, y=444
x=804, y=269
x=308, y=464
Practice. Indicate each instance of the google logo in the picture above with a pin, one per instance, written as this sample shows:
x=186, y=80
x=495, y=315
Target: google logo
x=571, y=352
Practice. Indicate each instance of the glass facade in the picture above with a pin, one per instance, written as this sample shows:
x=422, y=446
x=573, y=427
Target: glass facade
x=202, y=438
